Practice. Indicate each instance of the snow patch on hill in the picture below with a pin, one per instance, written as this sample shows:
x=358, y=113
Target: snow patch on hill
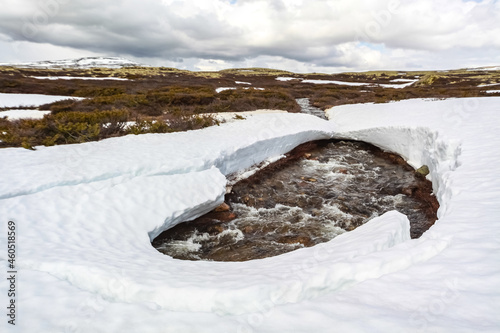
x=486, y=68
x=30, y=100
x=80, y=63
x=407, y=82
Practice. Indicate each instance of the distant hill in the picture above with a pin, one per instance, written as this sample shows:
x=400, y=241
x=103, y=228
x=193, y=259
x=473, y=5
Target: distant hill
x=488, y=68
x=80, y=63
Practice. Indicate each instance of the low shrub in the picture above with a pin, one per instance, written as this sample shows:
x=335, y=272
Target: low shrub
x=149, y=126
x=95, y=92
x=194, y=122
x=163, y=100
x=63, y=128
x=252, y=99
x=9, y=83
x=427, y=80
x=59, y=106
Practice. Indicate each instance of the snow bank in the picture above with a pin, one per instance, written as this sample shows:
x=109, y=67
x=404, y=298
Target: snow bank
x=250, y=142
x=457, y=139
x=404, y=80
x=488, y=85
x=286, y=78
x=356, y=84
x=221, y=89
x=86, y=215
x=343, y=83
x=23, y=114
x=399, y=85
x=19, y=100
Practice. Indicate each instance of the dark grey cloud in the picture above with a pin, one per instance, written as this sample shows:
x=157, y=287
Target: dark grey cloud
x=321, y=33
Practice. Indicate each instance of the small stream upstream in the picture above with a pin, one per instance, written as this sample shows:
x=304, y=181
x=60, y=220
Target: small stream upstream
x=318, y=191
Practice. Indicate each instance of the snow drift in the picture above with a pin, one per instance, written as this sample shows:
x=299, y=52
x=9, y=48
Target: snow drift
x=20, y=100
x=86, y=215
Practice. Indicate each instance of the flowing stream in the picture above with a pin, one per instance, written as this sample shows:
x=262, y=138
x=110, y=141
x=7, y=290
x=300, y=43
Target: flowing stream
x=306, y=107
x=319, y=191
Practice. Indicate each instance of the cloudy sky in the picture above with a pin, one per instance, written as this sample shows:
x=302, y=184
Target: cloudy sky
x=297, y=35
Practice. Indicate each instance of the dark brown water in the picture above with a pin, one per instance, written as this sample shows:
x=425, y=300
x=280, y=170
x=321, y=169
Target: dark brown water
x=318, y=192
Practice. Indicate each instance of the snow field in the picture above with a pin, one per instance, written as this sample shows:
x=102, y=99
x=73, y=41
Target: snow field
x=20, y=100
x=86, y=214
x=407, y=82
x=23, y=114
x=457, y=139
x=221, y=89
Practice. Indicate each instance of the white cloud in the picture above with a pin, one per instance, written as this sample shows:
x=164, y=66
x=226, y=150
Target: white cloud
x=23, y=51
x=328, y=34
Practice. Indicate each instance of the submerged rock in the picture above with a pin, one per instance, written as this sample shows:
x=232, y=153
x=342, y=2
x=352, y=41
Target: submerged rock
x=423, y=170
x=224, y=207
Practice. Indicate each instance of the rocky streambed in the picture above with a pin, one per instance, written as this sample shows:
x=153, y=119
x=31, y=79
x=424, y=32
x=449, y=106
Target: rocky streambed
x=315, y=193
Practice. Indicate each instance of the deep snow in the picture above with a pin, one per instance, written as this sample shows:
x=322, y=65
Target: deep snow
x=86, y=214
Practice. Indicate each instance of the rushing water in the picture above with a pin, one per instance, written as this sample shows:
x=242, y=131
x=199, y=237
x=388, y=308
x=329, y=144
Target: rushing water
x=318, y=192
x=306, y=107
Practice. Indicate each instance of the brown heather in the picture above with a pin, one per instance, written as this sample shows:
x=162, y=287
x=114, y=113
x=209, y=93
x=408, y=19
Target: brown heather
x=162, y=100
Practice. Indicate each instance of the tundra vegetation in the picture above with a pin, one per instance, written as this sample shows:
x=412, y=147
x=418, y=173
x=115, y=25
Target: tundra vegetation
x=161, y=100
